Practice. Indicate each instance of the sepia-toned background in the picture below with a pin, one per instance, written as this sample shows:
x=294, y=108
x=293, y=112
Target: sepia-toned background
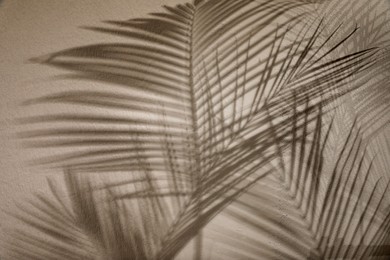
x=31, y=29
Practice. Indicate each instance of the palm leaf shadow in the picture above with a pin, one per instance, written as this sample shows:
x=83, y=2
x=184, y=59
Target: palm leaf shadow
x=201, y=81
x=369, y=103
x=80, y=225
x=348, y=218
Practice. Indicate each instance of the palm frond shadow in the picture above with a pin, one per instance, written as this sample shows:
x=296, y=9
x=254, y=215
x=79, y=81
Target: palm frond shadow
x=369, y=104
x=199, y=102
x=81, y=224
x=333, y=209
x=347, y=218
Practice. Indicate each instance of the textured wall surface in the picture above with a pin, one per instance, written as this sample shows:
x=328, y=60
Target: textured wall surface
x=34, y=28
x=30, y=29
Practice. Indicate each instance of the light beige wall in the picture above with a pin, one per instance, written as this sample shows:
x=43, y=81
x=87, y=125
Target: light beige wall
x=31, y=28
